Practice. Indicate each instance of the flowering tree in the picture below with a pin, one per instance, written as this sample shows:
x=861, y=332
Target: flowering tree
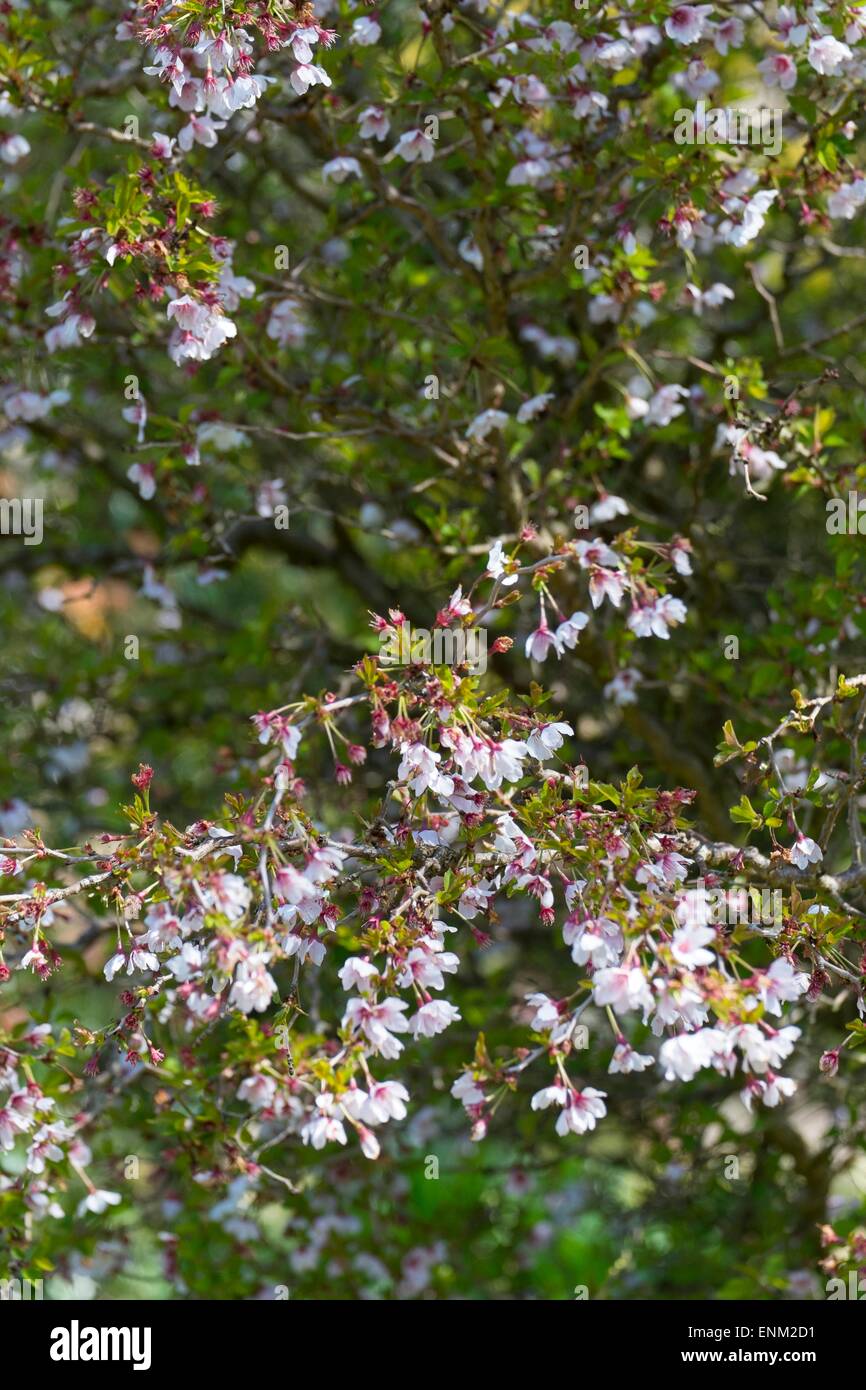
x=459, y=390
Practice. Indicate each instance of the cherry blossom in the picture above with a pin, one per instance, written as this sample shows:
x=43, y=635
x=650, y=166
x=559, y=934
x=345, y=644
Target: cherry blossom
x=365, y=30
x=826, y=53
x=415, y=145
x=688, y=23
x=805, y=852
x=373, y=123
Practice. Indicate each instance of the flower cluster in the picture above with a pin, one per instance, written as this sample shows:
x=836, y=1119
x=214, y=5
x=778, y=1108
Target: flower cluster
x=493, y=820
x=207, y=62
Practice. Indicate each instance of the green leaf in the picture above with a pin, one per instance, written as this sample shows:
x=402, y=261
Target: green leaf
x=744, y=812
